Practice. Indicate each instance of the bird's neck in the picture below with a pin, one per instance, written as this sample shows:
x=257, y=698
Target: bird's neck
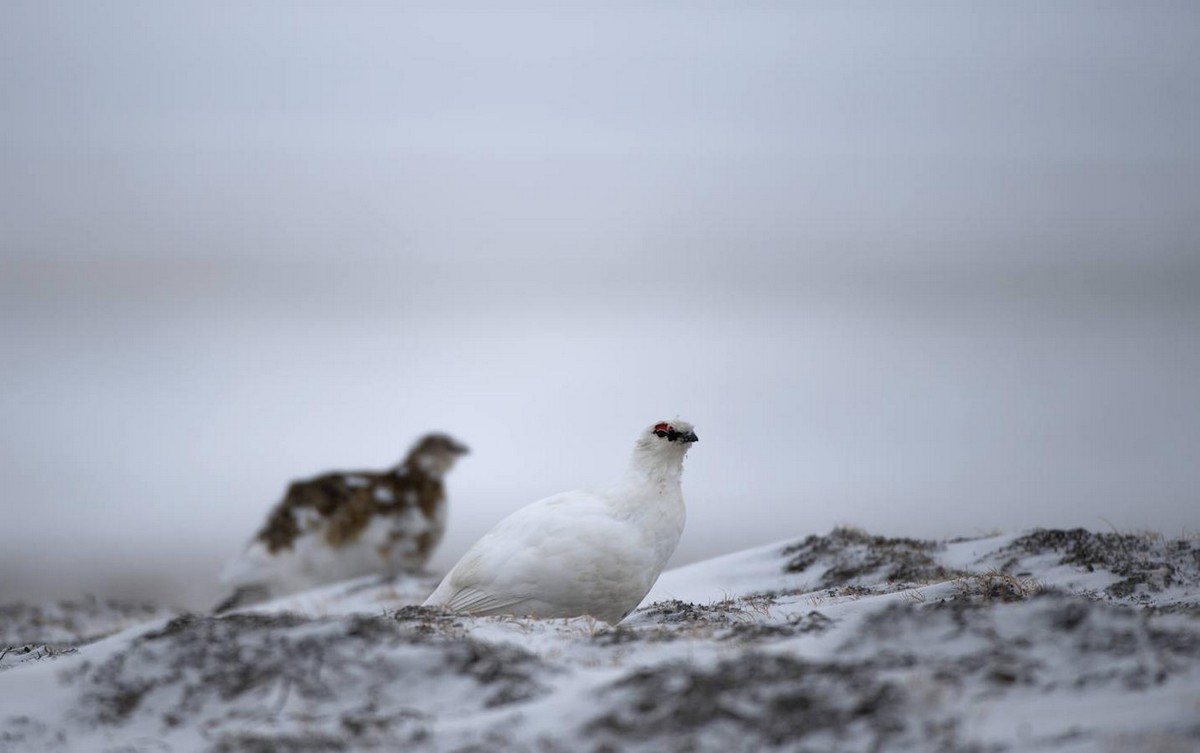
x=424, y=465
x=657, y=469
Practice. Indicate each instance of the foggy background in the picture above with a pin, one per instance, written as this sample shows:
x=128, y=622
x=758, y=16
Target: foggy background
x=926, y=268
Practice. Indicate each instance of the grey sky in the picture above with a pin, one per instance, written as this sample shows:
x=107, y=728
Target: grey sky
x=926, y=268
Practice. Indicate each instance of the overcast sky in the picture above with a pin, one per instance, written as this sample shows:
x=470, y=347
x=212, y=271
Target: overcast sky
x=931, y=269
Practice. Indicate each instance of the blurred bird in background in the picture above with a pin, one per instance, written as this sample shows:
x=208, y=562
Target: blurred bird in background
x=345, y=524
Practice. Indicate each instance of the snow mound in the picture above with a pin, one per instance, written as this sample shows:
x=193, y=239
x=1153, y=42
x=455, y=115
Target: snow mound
x=751, y=702
x=71, y=623
x=1056, y=641
x=849, y=557
x=230, y=673
x=1147, y=563
x=33, y=632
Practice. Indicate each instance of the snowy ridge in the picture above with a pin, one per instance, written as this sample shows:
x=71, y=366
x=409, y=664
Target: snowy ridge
x=31, y=632
x=1046, y=640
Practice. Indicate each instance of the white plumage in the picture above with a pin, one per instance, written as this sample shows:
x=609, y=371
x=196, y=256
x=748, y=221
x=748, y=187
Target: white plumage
x=581, y=552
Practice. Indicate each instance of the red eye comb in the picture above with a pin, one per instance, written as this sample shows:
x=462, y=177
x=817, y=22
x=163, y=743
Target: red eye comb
x=664, y=426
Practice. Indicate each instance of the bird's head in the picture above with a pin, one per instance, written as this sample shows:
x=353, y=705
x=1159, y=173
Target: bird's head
x=661, y=446
x=674, y=431
x=666, y=439
x=435, y=453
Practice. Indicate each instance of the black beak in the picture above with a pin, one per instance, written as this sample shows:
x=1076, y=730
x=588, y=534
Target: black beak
x=678, y=436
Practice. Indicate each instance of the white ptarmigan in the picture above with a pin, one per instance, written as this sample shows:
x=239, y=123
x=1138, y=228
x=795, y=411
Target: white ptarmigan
x=581, y=552
x=348, y=523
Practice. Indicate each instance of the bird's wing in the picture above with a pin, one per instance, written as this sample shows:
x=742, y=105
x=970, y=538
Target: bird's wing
x=473, y=601
x=533, y=556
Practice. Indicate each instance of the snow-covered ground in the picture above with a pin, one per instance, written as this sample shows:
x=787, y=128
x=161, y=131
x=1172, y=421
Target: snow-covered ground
x=1044, y=640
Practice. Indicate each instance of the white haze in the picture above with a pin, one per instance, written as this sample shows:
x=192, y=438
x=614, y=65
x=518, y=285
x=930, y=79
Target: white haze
x=930, y=269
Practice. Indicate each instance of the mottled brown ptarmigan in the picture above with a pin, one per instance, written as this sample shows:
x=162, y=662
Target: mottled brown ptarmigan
x=345, y=524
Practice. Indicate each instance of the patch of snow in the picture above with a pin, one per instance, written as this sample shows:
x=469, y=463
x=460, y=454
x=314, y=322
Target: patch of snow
x=1019, y=647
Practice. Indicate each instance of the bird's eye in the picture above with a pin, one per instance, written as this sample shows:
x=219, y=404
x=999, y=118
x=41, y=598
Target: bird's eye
x=666, y=430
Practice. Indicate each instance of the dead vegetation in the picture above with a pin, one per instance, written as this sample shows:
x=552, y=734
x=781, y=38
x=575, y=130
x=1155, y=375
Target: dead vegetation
x=892, y=673
x=1145, y=561
x=851, y=557
x=757, y=700
x=1040, y=639
x=995, y=585
x=748, y=618
x=264, y=661
x=60, y=624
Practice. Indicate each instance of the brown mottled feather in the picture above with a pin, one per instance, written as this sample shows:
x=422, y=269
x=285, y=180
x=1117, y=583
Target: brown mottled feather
x=348, y=507
x=336, y=512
